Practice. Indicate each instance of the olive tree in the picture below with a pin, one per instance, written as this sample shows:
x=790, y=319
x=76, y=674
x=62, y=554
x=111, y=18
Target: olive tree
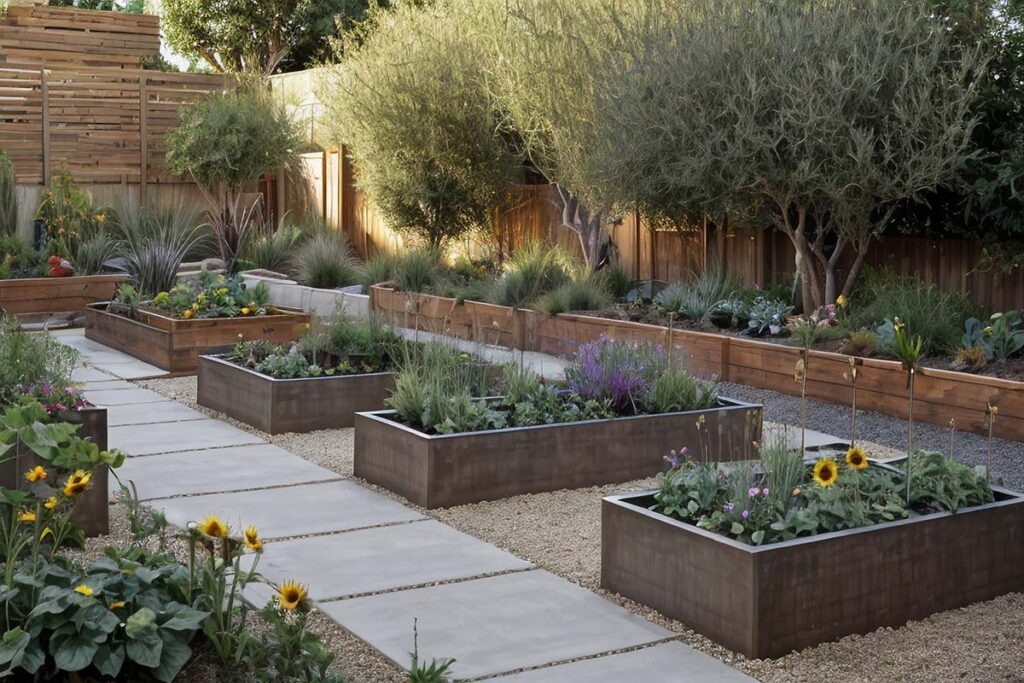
x=408, y=100
x=825, y=112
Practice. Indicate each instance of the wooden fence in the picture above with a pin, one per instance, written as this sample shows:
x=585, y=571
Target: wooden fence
x=758, y=257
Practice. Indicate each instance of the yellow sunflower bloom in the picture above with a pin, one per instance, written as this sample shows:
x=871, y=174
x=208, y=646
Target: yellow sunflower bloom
x=291, y=595
x=856, y=459
x=84, y=590
x=212, y=526
x=35, y=474
x=27, y=516
x=50, y=503
x=252, y=539
x=825, y=472
x=77, y=482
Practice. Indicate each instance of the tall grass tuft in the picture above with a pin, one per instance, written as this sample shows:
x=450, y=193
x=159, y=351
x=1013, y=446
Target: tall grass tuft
x=271, y=250
x=418, y=270
x=697, y=299
x=154, y=242
x=536, y=269
x=325, y=260
x=676, y=390
x=95, y=253
x=588, y=291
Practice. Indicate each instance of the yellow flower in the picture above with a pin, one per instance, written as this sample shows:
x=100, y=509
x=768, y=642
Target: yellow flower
x=212, y=526
x=187, y=314
x=841, y=301
x=50, y=503
x=161, y=298
x=46, y=532
x=77, y=482
x=856, y=459
x=195, y=306
x=987, y=330
x=252, y=539
x=35, y=474
x=825, y=472
x=246, y=311
x=84, y=590
x=796, y=492
x=27, y=516
x=101, y=217
x=290, y=595
x=116, y=605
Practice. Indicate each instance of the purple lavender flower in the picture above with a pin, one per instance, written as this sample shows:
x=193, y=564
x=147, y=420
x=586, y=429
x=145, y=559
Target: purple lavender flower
x=752, y=492
x=729, y=507
x=764, y=492
x=746, y=514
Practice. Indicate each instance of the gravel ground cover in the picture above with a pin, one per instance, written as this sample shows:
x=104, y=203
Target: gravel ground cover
x=561, y=532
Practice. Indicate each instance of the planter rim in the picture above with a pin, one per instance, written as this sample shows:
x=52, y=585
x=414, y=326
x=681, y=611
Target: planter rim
x=624, y=500
x=101, y=307
x=221, y=358
x=384, y=415
x=98, y=277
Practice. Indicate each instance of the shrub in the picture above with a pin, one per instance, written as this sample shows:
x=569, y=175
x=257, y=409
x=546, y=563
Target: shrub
x=17, y=258
x=937, y=315
x=154, y=242
x=861, y=343
x=534, y=270
x=8, y=197
x=619, y=372
x=675, y=390
x=31, y=359
x=432, y=153
x=619, y=282
x=418, y=270
x=68, y=216
x=213, y=296
x=225, y=142
x=325, y=261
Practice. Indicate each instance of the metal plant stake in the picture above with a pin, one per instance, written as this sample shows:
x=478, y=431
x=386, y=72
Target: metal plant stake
x=851, y=377
x=990, y=412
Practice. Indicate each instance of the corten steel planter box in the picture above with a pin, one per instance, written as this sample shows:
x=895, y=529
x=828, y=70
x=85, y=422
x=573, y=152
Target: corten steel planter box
x=277, y=406
x=767, y=601
x=443, y=470
x=174, y=345
x=46, y=296
x=92, y=511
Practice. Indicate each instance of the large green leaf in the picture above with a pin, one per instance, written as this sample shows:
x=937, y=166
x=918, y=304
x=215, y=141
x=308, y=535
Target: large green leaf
x=184, y=618
x=108, y=661
x=72, y=652
x=143, y=621
x=176, y=654
x=12, y=647
x=146, y=649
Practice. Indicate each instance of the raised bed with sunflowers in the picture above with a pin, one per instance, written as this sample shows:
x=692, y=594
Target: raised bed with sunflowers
x=68, y=265
x=172, y=328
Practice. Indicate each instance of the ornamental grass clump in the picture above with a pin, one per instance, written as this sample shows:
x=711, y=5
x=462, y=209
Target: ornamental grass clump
x=535, y=269
x=325, y=261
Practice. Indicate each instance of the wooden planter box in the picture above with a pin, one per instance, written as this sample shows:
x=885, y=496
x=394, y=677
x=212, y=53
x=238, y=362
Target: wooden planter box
x=443, y=470
x=46, y=296
x=767, y=601
x=92, y=511
x=174, y=345
x=277, y=406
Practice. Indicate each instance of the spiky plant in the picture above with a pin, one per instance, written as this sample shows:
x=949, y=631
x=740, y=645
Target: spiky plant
x=8, y=197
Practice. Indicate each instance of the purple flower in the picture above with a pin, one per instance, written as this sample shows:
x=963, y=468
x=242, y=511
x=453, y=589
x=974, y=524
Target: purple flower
x=728, y=507
x=746, y=514
x=752, y=492
x=764, y=492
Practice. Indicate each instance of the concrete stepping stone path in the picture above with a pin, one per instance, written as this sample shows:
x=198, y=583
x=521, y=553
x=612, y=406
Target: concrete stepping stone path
x=371, y=563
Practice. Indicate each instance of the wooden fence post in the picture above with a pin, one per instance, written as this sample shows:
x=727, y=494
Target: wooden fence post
x=45, y=92
x=143, y=135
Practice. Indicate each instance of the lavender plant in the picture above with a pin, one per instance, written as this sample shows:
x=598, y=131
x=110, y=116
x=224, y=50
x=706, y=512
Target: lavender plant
x=620, y=372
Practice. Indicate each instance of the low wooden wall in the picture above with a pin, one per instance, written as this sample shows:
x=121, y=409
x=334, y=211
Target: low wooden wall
x=940, y=395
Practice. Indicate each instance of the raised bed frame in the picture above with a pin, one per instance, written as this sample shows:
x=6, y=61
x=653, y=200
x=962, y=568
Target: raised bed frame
x=940, y=395
x=41, y=297
x=92, y=511
x=767, y=601
x=174, y=345
x=277, y=406
x=442, y=470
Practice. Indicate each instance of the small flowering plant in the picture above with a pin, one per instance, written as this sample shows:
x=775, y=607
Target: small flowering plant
x=55, y=399
x=622, y=373
x=214, y=296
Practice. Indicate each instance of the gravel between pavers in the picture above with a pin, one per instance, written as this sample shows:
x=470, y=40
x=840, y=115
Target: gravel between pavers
x=561, y=532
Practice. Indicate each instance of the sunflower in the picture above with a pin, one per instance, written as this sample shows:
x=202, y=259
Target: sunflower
x=212, y=526
x=84, y=590
x=35, y=474
x=856, y=458
x=290, y=595
x=27, y=516
x=825, y=472
x=77, y=482
x=252, y=539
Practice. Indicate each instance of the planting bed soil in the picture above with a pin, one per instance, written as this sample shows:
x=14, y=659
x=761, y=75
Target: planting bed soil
x=174, y=345
x=766, y=601
x=46, y=296
x=278, y=406
x=91, y=511
x=441, y=470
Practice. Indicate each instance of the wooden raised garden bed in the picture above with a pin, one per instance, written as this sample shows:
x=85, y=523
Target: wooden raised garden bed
x=443, y=470
x=174, y=345
x=940, y=395
x=277, y=406
x=46, y=296
x=92, y=511
x=767, y=601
